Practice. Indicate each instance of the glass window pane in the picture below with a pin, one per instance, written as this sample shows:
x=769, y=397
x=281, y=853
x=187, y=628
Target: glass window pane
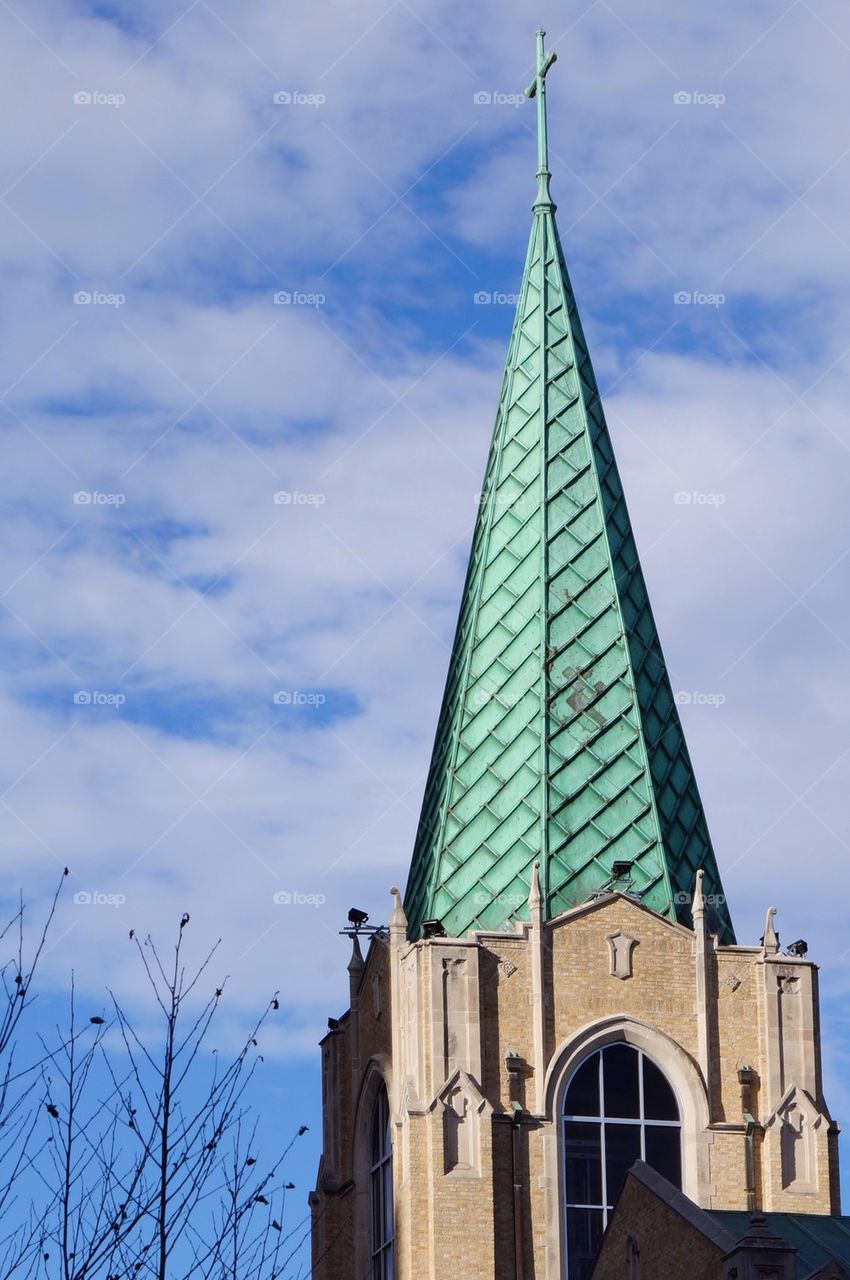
x=584, y=1236
x=664, y=1152
x=622, y=1148
x=624, y=1130
x=620, y=1079
x=388, y=1201
x=376, y=1212
x=659, y=1100
x=583, y=1161
x=377, y=1127
x=583, y=1093
x=381, y=1191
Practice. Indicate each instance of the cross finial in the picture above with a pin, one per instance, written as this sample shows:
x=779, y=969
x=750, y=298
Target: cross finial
x=537, y=89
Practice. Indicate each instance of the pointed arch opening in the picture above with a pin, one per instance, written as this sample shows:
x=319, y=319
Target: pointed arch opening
x=373, y=1239
x=618, y=1107
x=381, y=1210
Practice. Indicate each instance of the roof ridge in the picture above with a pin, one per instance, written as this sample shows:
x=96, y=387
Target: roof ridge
x=700, y=1219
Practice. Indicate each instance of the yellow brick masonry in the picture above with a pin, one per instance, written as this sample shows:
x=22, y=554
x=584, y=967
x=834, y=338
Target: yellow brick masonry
x=667, y=1244
x=458, y=1023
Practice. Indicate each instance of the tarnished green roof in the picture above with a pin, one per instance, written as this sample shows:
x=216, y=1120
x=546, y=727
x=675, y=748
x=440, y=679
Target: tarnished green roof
x=818, y=1237
x=559, y=740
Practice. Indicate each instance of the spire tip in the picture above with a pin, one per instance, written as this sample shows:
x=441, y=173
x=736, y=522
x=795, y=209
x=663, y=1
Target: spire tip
x=537, y=89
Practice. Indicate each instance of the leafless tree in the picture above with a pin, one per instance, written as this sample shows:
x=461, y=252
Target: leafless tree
x=154, y=1169
x=21, y=1143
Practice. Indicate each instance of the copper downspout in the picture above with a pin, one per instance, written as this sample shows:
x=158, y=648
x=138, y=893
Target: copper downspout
x=746, y=1078
x=516, y=1164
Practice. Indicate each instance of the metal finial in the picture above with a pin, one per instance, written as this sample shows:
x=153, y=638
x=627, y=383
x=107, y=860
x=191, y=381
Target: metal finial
x=537, y=89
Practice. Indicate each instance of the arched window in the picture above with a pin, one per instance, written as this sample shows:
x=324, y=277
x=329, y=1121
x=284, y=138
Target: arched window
x=618, y=1108
x=381, y=1190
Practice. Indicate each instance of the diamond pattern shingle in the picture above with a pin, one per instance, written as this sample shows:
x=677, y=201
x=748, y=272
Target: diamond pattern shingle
x=559, y=740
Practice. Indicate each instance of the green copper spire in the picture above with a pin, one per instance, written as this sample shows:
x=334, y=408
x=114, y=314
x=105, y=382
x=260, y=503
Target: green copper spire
x=559, y=741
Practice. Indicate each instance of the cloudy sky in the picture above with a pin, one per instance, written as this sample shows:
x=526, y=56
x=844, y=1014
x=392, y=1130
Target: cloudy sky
x=257, y=262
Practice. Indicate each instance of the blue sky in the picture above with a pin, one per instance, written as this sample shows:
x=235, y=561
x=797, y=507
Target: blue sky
x=151, y=170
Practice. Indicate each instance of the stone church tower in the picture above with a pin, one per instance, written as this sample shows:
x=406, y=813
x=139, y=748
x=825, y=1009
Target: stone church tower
x=560, y=993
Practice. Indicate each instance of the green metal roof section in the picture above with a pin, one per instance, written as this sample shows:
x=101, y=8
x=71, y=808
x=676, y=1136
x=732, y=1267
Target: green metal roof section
x=818, y=1237
x=559, y=741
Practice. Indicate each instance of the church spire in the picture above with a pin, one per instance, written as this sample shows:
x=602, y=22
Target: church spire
x=559, y=741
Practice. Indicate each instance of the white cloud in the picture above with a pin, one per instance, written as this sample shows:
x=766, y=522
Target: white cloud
x=378, y=403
